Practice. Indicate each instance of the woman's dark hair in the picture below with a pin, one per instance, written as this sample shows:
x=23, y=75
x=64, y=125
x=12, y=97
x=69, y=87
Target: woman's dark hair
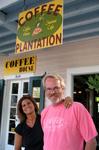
x=20, y=113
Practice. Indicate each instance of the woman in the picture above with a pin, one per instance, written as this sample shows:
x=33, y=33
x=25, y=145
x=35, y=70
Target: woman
x=29, y=133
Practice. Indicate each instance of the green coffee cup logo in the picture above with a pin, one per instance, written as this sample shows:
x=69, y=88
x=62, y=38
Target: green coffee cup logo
x=39, y=27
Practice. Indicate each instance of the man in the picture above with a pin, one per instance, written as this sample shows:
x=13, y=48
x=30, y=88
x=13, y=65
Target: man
x=65, y=129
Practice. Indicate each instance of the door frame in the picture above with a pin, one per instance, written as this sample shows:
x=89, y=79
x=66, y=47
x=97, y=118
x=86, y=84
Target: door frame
x=78, y=71
x=6, y=110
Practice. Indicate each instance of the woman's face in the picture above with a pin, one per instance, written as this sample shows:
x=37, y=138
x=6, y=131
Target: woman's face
x=27, y=106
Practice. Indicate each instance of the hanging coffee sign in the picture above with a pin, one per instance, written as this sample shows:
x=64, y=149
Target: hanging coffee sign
x=40, y=27
x=20, y=65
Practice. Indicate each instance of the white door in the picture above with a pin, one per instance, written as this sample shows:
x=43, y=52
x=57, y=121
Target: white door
x=17, y=89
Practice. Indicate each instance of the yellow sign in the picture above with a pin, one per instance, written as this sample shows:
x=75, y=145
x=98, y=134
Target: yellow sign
x=20, y=65
x=40, y=27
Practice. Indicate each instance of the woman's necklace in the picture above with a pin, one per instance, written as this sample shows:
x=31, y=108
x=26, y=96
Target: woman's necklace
x=30, y=122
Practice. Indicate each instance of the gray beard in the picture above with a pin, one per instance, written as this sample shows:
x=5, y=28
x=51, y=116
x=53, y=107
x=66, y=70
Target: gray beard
x=55, y=102
x=49, y=102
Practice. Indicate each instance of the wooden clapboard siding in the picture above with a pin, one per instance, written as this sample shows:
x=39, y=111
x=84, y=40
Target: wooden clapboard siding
x=84, y=53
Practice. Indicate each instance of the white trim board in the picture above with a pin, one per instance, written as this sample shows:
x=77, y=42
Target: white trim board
x=19, y=76
x=78, y=71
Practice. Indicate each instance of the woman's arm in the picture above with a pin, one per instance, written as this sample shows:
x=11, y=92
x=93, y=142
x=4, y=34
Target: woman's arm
x=17, y=142
x=68, y=101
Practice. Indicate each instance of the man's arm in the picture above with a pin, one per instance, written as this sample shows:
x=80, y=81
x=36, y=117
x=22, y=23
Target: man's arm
x=91, y=145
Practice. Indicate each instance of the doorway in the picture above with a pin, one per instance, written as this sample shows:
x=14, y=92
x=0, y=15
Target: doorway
x=77, y=83
x=85, y=91
x=17, y=89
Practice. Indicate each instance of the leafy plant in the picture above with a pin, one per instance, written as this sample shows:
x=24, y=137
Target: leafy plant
x=93, y=83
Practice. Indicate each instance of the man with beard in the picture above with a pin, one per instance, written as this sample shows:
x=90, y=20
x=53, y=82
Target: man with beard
x=65, y=129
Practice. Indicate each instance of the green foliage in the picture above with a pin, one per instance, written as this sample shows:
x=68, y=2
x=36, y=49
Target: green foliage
x=93, y=83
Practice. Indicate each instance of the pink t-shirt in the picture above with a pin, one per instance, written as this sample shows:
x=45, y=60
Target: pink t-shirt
x=66, y=129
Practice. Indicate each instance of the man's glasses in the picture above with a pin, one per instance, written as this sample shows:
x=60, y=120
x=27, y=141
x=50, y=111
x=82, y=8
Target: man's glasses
x=50, y=90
